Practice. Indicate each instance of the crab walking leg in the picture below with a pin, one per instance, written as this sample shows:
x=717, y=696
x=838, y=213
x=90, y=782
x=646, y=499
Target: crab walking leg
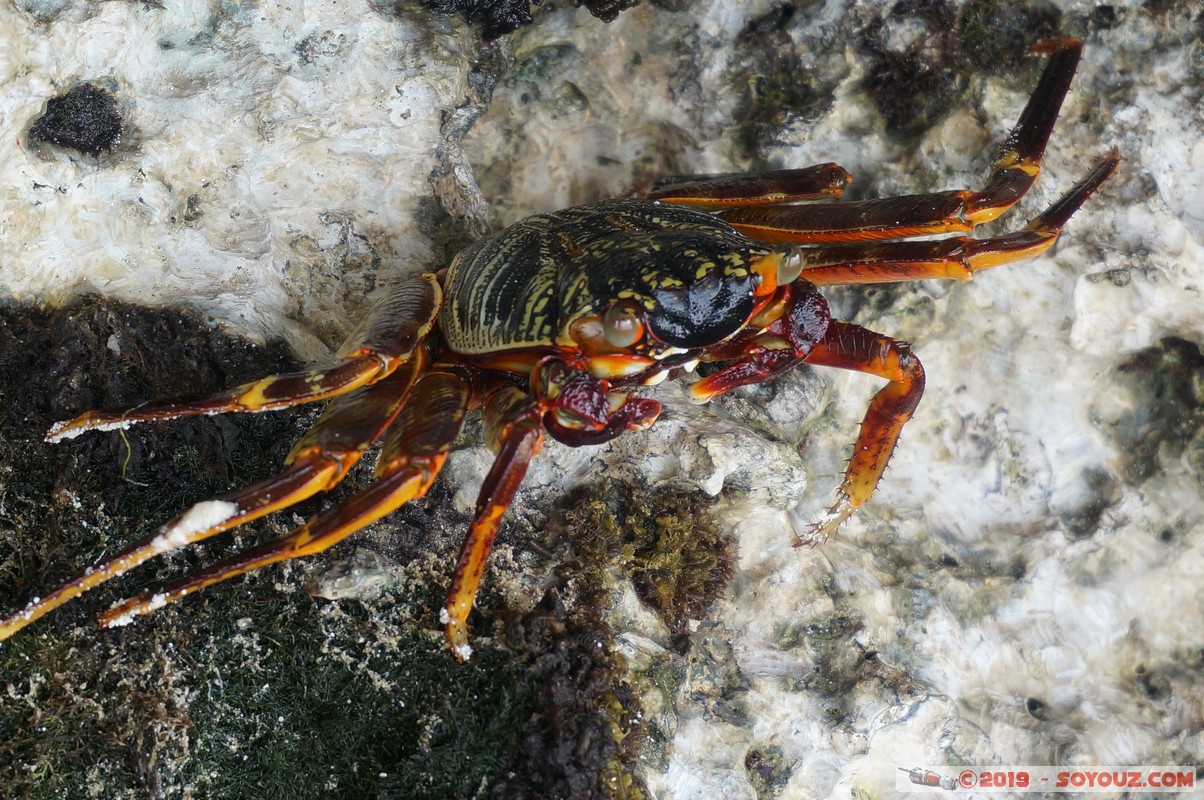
x=386, y=340
x=414, y=450
x=318, y=462
x=855, y=348
x=1012, y=173
x=733, y=189
x=956, y=258
x=513, y=428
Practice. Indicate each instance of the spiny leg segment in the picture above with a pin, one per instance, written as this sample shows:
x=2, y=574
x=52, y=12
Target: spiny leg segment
x=854, y=348
x=514, y=429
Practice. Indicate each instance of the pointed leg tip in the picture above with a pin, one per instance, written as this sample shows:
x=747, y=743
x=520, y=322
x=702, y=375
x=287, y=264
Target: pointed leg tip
x=826, y=526
x=14, y=622
x=91, y=421
x=119, y=615
x=1109, y=163
x=456, y=631
x=124, y=612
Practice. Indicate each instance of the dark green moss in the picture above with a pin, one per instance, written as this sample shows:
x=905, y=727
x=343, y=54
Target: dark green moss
x=81, y=710
x=681, y=560
x=69, y=502
x=768, y=771
x=499, y=17
x=840, y=661
x=921, y=53
x=677, y=557
x=388, y=716
x=995, y=34
x=584, y=730
x=913, y=74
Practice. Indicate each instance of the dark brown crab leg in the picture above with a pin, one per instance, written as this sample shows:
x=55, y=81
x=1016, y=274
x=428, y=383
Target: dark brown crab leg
x=389, y=335
x=731, y=189
x=956, y=258
x=1013, y=172
x=319, y=461
x=414, y=450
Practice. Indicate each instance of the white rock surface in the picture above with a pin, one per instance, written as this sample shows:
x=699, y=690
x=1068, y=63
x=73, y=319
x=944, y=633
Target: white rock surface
x=221, y=108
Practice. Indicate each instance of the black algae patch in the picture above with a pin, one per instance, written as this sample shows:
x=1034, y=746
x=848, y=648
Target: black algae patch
x=1165, y=383
x=584, y=730
x=784, y=86
x=921, y=53
x=499, y=17
x=94, y=353
x=84, y=119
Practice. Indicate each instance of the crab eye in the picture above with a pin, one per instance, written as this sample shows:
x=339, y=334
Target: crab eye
x=622, y=325
x=778, y=268
x=790, y=266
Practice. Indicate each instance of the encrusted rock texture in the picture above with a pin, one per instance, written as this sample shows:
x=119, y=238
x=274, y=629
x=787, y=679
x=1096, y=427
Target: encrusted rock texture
x=198, y=193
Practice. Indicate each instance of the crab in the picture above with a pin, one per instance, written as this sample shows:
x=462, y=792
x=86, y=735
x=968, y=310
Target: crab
x=553, y=325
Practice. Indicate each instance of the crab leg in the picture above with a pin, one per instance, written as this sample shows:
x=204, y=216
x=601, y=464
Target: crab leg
x=414, y=450
x=319, y=461
x=1013, y=172
x=513, y=429
x=732, y=189
x=388, y=337
x=958, y=257
x=852, y=347
x=848, y=347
